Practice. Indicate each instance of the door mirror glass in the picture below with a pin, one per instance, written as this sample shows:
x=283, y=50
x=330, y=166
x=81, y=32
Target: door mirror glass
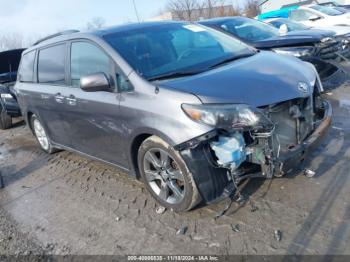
x=95, y=83
x=314, y=18
x=283, y=30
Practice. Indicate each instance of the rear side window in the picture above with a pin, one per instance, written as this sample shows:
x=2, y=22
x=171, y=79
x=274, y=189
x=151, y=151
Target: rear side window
x=26, y=72
x=87, y=59
x=51, y=65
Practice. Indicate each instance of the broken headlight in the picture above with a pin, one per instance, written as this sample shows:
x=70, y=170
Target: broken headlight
x=235, y=116
x=295, y=51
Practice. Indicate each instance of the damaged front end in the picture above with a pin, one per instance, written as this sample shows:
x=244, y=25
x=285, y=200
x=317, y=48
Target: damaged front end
x=268, y=142
x=330, y=56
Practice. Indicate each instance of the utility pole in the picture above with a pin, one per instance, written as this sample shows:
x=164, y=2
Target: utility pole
x=136, y=12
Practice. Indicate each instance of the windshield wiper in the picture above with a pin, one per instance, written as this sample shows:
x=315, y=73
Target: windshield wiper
x=230, y=59
x=174, y=75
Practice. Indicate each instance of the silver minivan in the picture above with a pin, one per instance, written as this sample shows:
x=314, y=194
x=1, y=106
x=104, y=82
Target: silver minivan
x=189, y=110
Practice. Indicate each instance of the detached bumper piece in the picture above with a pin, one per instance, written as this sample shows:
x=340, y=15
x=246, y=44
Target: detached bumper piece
x=300, y=125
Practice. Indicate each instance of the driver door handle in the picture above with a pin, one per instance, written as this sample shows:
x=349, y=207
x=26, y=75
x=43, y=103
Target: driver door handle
x=59, y=98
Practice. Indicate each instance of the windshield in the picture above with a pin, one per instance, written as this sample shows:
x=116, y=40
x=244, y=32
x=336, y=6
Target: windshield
x=327, y=10
x=292, y=26
x=163, y=49
x=249, y=29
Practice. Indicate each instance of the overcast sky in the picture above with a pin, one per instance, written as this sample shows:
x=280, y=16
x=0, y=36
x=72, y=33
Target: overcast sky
x=36, y=18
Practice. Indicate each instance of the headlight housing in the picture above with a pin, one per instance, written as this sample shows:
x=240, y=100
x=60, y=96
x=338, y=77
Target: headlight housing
x=6, y=96
x=300, y=51
x=232, y=116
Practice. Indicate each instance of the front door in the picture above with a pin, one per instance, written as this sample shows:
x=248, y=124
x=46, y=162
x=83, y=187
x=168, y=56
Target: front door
x=94, y=116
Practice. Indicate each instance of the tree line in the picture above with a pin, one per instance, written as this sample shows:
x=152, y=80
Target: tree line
x=190, y=10
x=193, y=10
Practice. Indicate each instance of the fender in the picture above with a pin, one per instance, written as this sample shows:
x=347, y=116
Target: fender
x=131, y=139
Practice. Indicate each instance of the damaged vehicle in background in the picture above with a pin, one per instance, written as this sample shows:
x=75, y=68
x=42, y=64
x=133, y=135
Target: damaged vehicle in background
x=189, y=110
x=319, y=47
x=9, y=108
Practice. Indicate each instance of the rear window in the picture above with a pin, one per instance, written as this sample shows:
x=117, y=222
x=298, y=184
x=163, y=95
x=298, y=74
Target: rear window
x=26, y=72
x=51, y=65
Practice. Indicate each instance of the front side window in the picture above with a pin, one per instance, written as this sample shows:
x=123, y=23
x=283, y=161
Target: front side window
x=249, y=30
x=327, y=10
x=162, y=49
x=26, y=72
x=87, y=59
x=302, y=15
x=51, y=65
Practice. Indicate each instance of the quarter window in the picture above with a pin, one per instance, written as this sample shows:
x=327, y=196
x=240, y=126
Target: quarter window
x=87, y=59
x=26, y=73
x=51, y=65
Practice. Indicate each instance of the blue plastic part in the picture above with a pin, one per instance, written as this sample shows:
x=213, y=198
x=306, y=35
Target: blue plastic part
x=230, y=151
x=281, y=13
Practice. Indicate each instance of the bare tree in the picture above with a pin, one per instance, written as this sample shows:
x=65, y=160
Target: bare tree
x=201, y=9
x=96, y=23
x=11, y=41
x=221, y=8
x=252, y=8
x=183, y=9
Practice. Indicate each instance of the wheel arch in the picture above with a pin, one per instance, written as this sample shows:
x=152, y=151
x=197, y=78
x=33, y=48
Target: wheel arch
x=137, y=139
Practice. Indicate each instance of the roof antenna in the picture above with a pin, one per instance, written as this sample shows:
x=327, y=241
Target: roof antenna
x=136, y=12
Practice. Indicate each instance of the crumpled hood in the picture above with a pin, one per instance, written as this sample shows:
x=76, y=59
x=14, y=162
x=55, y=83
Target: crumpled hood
x=263, y=79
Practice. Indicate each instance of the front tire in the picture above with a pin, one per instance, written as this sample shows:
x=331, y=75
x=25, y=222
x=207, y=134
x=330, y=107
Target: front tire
x=5, y=119
x=41, y=135
x=166, y=175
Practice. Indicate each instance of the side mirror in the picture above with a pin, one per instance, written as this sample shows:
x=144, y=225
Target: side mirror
x=283, y=30
x=95, y=83
x=314, y=18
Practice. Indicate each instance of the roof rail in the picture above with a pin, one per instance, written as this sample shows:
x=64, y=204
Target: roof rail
x=67, y=32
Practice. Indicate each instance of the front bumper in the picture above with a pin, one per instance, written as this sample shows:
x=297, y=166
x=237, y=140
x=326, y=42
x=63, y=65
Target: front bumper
x=215, y=183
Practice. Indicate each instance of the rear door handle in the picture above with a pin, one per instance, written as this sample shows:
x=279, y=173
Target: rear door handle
x=59, y=98
x=72, y=101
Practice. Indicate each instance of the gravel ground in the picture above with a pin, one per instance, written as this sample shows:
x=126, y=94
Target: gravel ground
x=67, y=204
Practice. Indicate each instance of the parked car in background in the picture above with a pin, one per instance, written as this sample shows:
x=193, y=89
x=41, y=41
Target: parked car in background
x=319, y=47
x=320, y=16
x=336, y=6
x=287, y=26
x=189, y=110
x=9, y=62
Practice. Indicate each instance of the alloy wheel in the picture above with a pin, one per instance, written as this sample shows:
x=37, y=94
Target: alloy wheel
x=164, y=176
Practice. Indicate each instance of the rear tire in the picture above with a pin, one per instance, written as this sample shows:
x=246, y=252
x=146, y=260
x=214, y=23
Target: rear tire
x=41, y=135
x=5, y=119
x=166, y=175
